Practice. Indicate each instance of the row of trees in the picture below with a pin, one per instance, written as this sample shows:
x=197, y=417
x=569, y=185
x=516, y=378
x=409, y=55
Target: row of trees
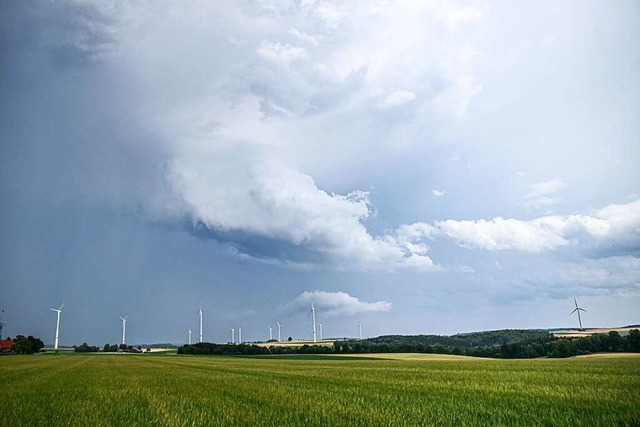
x=27, y=345
x=470, y=340
x=529, y=348
x=538, y=345
x=86, y=348
x=250, y=349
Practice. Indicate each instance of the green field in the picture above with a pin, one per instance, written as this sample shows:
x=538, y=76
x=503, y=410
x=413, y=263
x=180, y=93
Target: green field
x=192, y=390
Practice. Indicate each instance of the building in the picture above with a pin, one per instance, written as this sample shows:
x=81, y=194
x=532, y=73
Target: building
x=6, y=346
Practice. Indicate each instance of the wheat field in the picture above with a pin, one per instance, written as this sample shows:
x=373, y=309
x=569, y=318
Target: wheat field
x=316, y=391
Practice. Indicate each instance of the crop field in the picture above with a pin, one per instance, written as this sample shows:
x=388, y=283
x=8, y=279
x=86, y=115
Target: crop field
x=316, y=390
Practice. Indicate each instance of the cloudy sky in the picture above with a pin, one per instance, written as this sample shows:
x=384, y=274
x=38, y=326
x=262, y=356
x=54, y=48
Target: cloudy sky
x=417, y=167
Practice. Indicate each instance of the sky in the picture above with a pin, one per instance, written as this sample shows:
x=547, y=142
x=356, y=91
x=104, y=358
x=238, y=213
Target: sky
x=417, y=167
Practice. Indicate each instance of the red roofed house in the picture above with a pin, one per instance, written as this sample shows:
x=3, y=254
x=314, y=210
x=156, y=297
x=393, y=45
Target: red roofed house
x=6, y=346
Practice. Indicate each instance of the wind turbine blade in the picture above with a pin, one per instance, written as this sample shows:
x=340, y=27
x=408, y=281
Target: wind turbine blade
x=582, y=309
x=573, y=311
x=60, y=308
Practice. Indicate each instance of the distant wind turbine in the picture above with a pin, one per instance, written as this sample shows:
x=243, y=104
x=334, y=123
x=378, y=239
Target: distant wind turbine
x=3, y=326
x=189, y=336
x=270, y=333
x=320, y=324
x=200, y=313
x=239, y=335
x=578, y=310
x=313, y=316
x=233, y=336
x=57, y=310
x=360, y=329
x=124, y=329
x=279, y=326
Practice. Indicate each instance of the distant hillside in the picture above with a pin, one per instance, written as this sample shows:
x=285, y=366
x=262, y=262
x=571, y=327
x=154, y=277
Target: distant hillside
x=467, y=340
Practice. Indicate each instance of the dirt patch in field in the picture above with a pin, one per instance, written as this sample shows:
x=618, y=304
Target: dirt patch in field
x=609, y=355
x=575, y=333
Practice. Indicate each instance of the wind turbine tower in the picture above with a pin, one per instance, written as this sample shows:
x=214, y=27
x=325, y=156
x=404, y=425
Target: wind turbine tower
x=233, y=336
x=360, y=329
x=320, y=324
x=578, y=310
x=270, y=333
x=279, y=326
x=124, y=329
x=3, y=326
x=57, y=310
x=313, y=315
x=200, y=313
x=239, y=335
x=189, y=336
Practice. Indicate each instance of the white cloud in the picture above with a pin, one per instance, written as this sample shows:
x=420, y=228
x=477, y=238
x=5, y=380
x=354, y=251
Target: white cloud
x=282, y=53
x=542, y=194
x=501, y=234
x=330, y=304
x=438, y=193
x=304, y=36
x=263, y=109
x=397, y=98
x=612, y=225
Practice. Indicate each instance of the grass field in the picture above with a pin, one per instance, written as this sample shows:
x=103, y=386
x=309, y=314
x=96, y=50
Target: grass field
x=196, y=390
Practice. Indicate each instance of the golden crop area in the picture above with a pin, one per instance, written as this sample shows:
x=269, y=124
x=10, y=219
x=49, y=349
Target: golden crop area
x=316, y=391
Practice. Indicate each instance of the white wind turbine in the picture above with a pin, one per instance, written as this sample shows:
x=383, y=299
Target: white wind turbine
x=3, y=326
x=313, y=316
x=124, y=329
x=239, y=335
x=270, y=333
x=189, y=336
x=57, y=310
x=360, y=329
x=233, y=336
x=200, y=313
x=320, y=324
x=279, y=326
x=578, y=310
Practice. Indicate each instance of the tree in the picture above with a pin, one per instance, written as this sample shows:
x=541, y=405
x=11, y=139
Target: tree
x=615, y=342
x=27, y=345
x=633, y=340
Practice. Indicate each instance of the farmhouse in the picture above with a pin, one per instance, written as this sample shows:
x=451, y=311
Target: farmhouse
x=6, y=346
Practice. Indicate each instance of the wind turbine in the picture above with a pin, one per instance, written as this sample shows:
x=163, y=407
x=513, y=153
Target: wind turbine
x=279, y=326
x=239, y=335
x=189, y=336
x=270, y=333
x=124, y=328
x=578, y=310
x=200, y=313
x=360, y=329
x=313, y=316
x=233, y=336
x=320, y=324
x=57, y=310
x=3, y=326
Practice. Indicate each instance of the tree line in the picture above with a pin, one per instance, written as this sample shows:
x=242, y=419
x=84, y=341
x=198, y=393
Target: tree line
x=509, y=344
x=536, y=346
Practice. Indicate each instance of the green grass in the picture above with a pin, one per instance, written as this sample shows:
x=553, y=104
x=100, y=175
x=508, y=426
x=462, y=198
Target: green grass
x=176, y=390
